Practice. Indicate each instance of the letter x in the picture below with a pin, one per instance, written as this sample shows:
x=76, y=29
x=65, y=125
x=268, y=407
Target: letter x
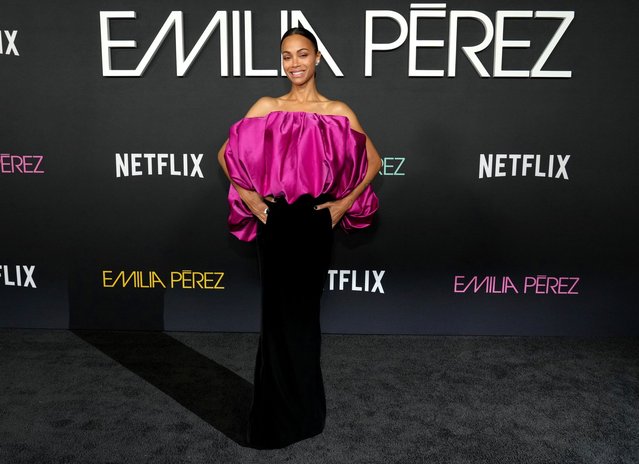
x=562, y=167
x=28, y=281
x=378, y=281
x=196, y=165
x=11, y=37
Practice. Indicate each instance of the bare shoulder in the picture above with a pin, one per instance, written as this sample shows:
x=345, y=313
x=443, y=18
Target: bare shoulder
x=262, y=107
x=340, y=108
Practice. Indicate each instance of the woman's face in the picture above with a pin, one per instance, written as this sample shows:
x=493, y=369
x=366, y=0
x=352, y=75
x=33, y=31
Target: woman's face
x=298, y=58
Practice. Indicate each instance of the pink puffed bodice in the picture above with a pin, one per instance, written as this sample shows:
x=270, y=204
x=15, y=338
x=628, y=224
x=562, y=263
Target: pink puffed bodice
x=292, y=153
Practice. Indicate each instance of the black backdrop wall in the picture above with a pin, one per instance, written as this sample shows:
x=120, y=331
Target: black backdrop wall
x=508, y=195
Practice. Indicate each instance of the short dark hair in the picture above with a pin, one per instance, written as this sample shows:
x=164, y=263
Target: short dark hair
x=303, y=32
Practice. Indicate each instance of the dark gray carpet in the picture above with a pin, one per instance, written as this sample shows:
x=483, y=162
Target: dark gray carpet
x=139, y=397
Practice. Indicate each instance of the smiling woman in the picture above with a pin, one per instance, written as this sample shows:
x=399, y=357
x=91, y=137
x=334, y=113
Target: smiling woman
x=298, y=164
x=299, y=61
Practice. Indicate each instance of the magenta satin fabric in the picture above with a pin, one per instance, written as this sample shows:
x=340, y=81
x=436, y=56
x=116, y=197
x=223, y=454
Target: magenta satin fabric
x=291, y=153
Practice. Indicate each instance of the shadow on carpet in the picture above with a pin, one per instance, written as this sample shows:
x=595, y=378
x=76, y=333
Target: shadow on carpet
x=211, y=391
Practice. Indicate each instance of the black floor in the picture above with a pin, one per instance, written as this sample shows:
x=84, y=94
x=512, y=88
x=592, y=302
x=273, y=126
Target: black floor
x=138, y=397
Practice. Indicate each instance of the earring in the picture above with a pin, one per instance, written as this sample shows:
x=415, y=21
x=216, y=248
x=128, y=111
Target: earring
x=316, y=63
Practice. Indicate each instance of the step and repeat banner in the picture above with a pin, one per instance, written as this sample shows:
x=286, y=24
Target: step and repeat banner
x=508, y=198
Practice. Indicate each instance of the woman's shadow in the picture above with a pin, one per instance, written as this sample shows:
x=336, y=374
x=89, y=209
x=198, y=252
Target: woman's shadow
x=214, y=393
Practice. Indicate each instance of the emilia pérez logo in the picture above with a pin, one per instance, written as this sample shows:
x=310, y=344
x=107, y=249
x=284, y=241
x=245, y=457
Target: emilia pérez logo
x=234, y=30
x=392, y=166
x=184, y=279
x=537, y=284
x=21, y=164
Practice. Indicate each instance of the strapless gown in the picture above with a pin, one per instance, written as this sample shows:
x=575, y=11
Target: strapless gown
x=302, y=159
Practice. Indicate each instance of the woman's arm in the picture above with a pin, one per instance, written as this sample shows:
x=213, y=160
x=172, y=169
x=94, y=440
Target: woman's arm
x=339, y=207
x=251, y=198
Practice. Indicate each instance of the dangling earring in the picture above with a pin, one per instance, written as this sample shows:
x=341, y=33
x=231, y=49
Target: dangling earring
x=316, y=63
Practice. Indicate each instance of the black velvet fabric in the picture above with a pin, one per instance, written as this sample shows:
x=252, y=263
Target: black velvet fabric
x=294, y=249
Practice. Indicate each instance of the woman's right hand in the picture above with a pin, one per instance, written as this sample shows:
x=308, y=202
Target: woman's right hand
x=255, y=203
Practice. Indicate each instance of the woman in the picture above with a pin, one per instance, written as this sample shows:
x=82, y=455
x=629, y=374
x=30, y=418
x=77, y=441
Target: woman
x=299, y=165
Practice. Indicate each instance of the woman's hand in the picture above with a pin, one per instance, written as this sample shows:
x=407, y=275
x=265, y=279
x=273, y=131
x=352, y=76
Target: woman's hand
x=255, y=202
x=337, y=208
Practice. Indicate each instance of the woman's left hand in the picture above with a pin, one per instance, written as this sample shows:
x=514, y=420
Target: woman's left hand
x=337, y=208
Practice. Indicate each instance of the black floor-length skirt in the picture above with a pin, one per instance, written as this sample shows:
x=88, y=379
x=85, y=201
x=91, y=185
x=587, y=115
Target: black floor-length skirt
x=294, y=250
